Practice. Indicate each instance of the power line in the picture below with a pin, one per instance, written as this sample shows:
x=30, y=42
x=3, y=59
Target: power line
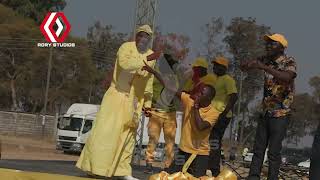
x=5, y=38
x=20, y=46
x=26, y=46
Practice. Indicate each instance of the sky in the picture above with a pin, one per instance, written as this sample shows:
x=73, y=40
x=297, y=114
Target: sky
x=297, y=20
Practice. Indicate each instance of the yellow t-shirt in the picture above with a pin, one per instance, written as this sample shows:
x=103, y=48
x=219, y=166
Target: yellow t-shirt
x=192, y=140
x=225, y=85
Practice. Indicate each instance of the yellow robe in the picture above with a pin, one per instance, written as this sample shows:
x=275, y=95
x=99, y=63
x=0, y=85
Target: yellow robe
x=108, y=150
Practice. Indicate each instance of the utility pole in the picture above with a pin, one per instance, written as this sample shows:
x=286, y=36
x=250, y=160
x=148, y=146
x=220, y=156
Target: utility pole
x=58, y=7
x=241, y=124
x=145, y=13
x=46, y=93
x=239, y=105
x=233, y=140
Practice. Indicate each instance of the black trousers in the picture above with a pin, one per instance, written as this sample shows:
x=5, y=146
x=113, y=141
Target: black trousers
x=215, y=139
x=197, y=168
x=314, y=172
x=270, y=133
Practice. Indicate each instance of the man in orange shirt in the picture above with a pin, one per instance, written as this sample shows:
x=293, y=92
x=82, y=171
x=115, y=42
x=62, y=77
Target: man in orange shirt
x=199, y=118
x=280, y=71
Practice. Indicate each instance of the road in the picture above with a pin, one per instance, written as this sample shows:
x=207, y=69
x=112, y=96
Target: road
x=57, y=167
x=40, y=156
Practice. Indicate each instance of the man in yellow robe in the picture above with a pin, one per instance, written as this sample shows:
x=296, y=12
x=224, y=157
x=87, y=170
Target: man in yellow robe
x=108, y=150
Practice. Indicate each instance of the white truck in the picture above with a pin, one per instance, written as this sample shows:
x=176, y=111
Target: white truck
x=75, y=125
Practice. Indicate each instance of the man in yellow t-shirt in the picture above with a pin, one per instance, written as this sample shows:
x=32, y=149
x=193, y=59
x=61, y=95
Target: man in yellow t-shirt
x=226, y=97
x=199, y=118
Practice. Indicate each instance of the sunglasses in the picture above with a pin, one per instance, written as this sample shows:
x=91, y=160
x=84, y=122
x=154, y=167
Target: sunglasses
x=272, y=43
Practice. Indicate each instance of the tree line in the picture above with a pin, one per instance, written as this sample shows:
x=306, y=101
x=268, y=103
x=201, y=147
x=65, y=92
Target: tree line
x=82, y=74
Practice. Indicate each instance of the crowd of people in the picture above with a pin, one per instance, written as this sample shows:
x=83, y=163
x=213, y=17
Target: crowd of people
x=145, y=81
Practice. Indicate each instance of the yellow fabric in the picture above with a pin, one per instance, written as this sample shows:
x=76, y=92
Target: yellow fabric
x=145, y=28
x=108, y=150
x=175, y=176
x=279, y=38
x=192, y=140
x=222, y=61
x=225, y=174
x=184, y=175
x=209, y=79
x=167, y=122
x=188, y=85
x=148, y=92
x=225, y=85
x=10, y=174
x=188, y=163
x=200, y=62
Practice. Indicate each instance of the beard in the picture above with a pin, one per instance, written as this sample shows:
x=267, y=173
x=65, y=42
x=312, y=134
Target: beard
x=143, y=44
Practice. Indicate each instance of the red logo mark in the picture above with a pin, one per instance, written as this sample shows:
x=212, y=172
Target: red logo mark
x=51, y=19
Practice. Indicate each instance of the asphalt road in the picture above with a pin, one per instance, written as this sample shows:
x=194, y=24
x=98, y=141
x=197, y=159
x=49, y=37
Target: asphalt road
x=57, y=167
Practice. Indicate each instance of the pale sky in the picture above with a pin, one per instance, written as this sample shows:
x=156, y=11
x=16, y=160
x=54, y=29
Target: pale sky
x=297, y=20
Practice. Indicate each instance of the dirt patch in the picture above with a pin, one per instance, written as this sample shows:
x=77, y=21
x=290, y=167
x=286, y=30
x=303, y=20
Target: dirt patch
x=28, y=148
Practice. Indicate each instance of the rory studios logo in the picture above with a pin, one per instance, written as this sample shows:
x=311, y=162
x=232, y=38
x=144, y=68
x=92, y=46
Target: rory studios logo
x=55, y=28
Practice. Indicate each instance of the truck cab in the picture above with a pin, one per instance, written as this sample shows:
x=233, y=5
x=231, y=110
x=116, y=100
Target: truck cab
x=74, y=127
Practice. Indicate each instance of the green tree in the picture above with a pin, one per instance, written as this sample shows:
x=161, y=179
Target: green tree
x=25, y=67
x=34, y=9
x=214, y=33
x=304, y=114
x=71, y=75
x=244, y=42
x=103, y=44
x=13, y=51
x=314, y=82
